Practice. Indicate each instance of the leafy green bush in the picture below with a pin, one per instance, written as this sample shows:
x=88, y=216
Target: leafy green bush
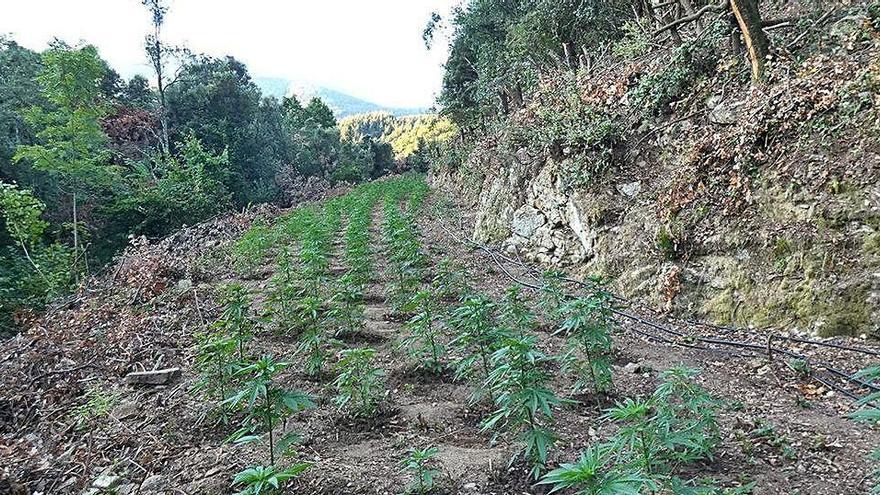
x=265, y=404
x=189, y=190
x=359, y=383
x=418, y=463
x=587, y=329
x=656, y=92
x=31, y=272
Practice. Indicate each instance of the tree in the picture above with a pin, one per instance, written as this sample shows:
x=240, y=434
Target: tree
x=216, y=100
x=748, y=17
x=319, y=113
x=159, y=55
x=71, y=144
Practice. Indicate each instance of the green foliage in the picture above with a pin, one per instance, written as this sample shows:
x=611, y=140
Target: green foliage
x=358, y=383
x=22, y=214
x=347, y=305
x=189, y=190
x=477, y=337
x=500, y=48
x=634, y=43
x=423, y=341
x=596, y=473
x=587, y=328
x=674, y=426
x=523, y=400
x=403, y=250
x=265, y=404
x=409, y=138
x=514, y=313
x=585, y=140
x=236, y=320
x=314, y=347
x=280, y=304
x=418, y=464
x=449, y=282
x=656, y=92
x=552, y=298
x=99, y=402
x=32, y=272
x=266, y=480
x=216, y=363
x=870, y=413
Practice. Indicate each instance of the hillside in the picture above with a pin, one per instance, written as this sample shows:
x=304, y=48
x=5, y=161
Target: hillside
x=117, y=387
x=672, y=176
x=342, y=104
x=636, y=251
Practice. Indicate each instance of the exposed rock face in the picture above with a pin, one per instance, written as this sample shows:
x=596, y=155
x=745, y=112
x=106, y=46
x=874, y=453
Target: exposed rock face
x=764, y=272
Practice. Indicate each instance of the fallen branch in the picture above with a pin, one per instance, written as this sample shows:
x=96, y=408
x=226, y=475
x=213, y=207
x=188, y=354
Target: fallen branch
x=719, y=7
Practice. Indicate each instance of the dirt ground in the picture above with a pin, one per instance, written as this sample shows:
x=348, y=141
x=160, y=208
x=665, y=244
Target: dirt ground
x=786, y=433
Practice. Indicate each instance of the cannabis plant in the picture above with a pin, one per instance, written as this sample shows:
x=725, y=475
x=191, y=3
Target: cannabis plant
x=587, y=328
x=359, y=383
x=596, y=473
x=553, y=297
x=423, y=340
x=284, y=291
x=347, y=305
x=677, y=424
x=869, y=413
x=514, y=313
x=315, y=348
x=476, y=337
x=264, y=403
x=216, y=364
x=266, y=480
x=418, y=463
x=236, y=319
x=523, y=398
x=449, y=282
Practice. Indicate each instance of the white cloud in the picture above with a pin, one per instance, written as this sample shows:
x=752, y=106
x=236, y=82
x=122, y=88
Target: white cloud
x=371, y=49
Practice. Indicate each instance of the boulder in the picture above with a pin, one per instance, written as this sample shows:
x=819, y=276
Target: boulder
x=526, y=220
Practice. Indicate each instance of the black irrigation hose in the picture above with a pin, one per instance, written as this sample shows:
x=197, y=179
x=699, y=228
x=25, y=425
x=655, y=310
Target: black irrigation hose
x=629, y=302
x=706, y=340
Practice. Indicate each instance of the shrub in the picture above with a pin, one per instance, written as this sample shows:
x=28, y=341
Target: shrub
x=418, y=463
x=265, y=404
x=359, y=383
x=656, y=92
x=523, y=399
x=587, y=329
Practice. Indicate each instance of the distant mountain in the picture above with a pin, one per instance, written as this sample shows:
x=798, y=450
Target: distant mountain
x=342, y=104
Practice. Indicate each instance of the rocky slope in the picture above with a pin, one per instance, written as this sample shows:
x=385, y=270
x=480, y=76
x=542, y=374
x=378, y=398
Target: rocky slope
x=742, y=204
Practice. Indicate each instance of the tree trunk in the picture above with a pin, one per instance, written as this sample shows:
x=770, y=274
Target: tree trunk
x=749, y=19
x=75, y=241
x=163, y=106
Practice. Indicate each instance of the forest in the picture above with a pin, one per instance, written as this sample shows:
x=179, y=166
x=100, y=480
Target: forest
x=634, y=249
x=89, y=161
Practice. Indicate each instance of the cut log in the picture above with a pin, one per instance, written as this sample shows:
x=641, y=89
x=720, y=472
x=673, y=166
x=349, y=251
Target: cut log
x=155, y=377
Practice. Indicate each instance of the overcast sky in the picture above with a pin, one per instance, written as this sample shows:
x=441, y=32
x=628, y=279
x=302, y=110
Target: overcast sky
x=369, y=48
